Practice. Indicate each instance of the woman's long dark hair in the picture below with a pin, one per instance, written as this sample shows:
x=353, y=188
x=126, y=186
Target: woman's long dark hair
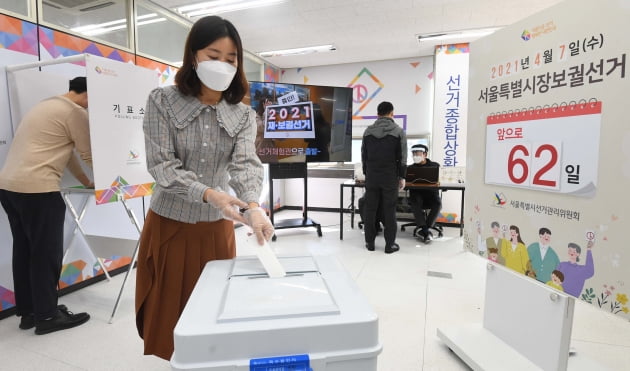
x=518, y=234
x=203, y=33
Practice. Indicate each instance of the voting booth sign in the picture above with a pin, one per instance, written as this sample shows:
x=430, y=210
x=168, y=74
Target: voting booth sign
x=118, y=94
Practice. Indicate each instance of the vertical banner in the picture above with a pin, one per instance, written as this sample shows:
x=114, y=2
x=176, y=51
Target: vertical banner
x=450, y=105
x=548, y=197
x=450, y=109
x=118, y=93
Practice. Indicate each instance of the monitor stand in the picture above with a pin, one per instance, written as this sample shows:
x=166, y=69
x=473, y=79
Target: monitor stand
x=289, y=171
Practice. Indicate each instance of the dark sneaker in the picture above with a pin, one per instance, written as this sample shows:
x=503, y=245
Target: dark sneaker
x=62, y=320
x=370, y=246
x=27, y=322
x=424, y=236
x=392, y=249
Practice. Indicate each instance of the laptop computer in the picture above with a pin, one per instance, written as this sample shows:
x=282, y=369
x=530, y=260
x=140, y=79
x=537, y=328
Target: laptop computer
x=422, y=175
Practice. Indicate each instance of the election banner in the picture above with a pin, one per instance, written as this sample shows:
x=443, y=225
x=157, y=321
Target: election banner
x=547, y=182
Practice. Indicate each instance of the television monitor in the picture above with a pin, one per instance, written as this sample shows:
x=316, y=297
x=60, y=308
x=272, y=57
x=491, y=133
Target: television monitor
x=302, y=123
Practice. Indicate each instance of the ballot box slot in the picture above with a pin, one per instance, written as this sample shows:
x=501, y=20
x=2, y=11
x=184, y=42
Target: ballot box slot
x=265, y=275
x=298, y=294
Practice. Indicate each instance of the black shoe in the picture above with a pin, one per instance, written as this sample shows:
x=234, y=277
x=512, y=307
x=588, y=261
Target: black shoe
x=369, y=246
x=28, y=321
x=62, y=320
x=424, y=236
x=392, y=249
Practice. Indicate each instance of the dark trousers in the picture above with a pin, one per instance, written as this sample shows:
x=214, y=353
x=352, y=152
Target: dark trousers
x=421, y=201
x=36, y=221
x=386, y=198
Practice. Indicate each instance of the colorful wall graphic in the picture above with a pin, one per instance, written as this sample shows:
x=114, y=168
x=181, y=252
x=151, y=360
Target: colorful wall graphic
x=59, y=44
x=18, y=35
x=272, y=74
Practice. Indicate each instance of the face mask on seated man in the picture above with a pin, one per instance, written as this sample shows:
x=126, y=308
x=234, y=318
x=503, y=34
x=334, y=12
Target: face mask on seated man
x=419, y=152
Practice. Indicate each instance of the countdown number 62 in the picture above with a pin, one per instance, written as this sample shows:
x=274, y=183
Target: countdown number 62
x=542, y=160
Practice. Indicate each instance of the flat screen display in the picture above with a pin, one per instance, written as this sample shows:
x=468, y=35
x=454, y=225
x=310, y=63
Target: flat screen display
x=302, y=123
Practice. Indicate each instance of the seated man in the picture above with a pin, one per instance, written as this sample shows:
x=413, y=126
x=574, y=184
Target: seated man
x=422, y=199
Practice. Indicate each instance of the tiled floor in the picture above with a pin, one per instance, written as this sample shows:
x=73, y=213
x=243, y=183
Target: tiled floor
x=411, y=305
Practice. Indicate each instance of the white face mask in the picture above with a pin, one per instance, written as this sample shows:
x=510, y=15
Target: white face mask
x=418, y=159
x=216, y=75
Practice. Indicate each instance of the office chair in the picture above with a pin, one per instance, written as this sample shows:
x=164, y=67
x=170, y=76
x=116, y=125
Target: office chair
x=407, y=209
x=436, y=227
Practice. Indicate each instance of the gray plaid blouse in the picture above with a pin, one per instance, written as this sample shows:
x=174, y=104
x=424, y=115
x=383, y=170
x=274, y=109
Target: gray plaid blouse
x=192, y=147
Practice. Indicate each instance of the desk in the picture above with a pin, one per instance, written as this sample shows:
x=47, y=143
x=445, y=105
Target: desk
x=353, y=185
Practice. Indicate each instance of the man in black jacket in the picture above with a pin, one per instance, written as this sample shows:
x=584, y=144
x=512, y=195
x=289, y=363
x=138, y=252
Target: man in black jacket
x=384, y=159
x=423, y=199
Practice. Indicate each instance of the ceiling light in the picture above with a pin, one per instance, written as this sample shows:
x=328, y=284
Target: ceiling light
x=461, y=34
x=298, y=51
x=223, y=6
x=86, y=29
x=102, y=30
x=119, y=24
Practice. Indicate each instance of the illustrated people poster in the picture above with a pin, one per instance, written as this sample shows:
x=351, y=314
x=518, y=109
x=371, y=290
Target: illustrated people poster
x=548, y=197
x=118, y=93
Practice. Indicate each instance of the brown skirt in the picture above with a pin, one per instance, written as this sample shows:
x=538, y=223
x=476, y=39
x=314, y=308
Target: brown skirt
x=171, y=257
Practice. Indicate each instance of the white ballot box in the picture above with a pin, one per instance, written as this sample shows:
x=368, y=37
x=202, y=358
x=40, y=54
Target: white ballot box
x=239, y=319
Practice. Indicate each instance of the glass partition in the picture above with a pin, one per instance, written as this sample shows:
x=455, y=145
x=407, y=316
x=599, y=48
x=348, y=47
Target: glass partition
x=139, y=26
x=253, y=66
x=160, y=33
x=98, y=20
x=18, y=7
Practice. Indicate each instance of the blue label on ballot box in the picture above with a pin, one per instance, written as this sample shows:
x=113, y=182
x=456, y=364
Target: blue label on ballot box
x=298, y=362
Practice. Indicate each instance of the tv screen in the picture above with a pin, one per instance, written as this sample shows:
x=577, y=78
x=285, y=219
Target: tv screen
x=302, y=123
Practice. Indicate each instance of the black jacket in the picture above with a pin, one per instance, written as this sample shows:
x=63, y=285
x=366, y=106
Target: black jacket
x=384, y=153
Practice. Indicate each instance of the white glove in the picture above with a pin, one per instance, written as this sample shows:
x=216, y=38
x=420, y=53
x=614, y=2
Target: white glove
x=401, y=184
x=228, y=205
x=258, y=220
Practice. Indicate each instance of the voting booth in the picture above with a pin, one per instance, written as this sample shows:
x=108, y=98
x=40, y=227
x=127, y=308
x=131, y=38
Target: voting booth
x=313, y=318
x=117, y=95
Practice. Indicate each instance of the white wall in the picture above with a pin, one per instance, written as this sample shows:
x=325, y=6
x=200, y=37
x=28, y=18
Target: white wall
x=322, y=192
x=407, y=83
x=7, y=58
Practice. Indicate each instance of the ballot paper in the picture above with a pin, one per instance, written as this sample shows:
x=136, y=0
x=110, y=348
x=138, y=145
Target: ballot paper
x=270, y=261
